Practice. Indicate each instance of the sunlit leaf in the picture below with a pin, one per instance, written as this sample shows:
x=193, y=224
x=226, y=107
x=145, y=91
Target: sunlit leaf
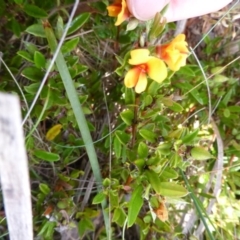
x=53, y=132
x=170, y=189
x=127, y=116
x=119, y=216
x=188, y=139
x=135, y=205
x=99, y=198
x=199, y=153
x=37, y=30
x=142, y=150
x=154, y=180
x=44, y=188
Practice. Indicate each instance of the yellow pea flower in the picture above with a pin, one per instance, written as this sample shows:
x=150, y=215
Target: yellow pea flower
x=120, y=10
x=174, y=53
x=144, y=65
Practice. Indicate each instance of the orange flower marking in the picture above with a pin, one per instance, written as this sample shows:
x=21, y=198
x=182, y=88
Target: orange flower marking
x=174, y=53
x=162, y=212
x=144, y=65
x=119, y=9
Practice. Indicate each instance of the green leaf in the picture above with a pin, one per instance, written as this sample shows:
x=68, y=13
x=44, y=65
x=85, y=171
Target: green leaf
x=70, y=45
x=63, y=204
x=142, y=150
x=164, y=148
x=47, y=156
x=114, y=198
x=16, y=27
x=172, y=104
x=50, y=230
x=217, y=70
x=122, y=137
x=33, y=74
x=226, y=113
x=169, y=173
x=187, y=71
x=119, y=216
x=37, y=30
x=129, y=96
x=157, y=26
x=44, y=188
x=47, y=230
x=220, y=78
x=170, y=189
x=39, y=60
x=132, y=24
x=135, y=205
x=199, y=153
x=148, y=135
x=34, y=11
x=59, y=27
x=117, y=147
x=84, y=225
x=25, y=55
x=188, y=139
x=154, y=180
x=147, y=100
x=153, y=88
x=32, y=89
x=127, y=116
x=140, y=164
x=78, y=22
x=99, y=198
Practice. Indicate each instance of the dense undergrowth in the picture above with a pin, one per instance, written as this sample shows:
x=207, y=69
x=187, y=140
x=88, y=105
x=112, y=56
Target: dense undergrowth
x=162, y=163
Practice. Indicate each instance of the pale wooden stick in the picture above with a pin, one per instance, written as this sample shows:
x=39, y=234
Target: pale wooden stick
x=14, y=173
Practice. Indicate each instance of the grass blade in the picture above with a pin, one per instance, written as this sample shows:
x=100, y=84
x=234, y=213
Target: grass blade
x=78, y=112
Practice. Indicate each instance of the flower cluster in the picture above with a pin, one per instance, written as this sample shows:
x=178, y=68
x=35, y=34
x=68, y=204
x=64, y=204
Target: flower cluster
x=174, y=54
x=120, y=10
x=144, y=65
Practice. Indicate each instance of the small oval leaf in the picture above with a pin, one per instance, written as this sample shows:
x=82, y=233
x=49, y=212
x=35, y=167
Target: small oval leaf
x=170, y=189
x=142, y=150
x=34, y=11
x=70, y=45
x=37, y=30
x=199, y=153
x=39, y=60
x=78, y=22
x=148, y=135
x=33, y=74
x=53, y=132
x=99, y=198
x=127, y=116
x=47, y=156
x=44, y=188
